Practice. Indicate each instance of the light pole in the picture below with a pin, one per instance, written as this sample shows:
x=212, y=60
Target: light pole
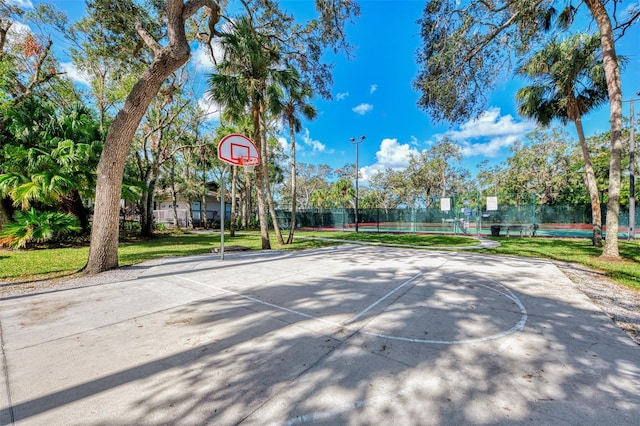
x=356, y=143
x=632, y=166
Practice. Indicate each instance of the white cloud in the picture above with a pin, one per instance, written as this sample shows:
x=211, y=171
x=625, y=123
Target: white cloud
x=284, y=145
x=24, y=4
x=373, y=88
x=390, y=155
x=342, y=95
x=368, y=172
x=488, y=149
x=316, y=146
x=18, y=31
x=209, y=108
x=393, y=154
x=362, y=109
x=201, y=56
x=75, y=74
x=488, y=134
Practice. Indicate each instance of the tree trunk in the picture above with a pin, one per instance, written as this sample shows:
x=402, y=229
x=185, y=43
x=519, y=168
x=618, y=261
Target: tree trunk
x=612, y=73
x=265, y=170
x=146, y=214
x=203, y=212
x=203, y=203
x=174, y=195
x=189, y=197
x=292, y=220
x=592, y=186
x=73, y=204
x=103, y=251
x=191, y=224
x=260, y=179
x=6, y=210
x=246, y=202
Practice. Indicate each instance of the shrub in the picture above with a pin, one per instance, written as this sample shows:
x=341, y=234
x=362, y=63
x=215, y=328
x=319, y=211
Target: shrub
x=35, y=226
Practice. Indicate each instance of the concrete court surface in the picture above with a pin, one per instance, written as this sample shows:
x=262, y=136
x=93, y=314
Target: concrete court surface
x=355, y=335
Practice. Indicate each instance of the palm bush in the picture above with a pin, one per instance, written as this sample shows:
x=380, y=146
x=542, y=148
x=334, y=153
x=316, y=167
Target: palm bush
x=38, y=226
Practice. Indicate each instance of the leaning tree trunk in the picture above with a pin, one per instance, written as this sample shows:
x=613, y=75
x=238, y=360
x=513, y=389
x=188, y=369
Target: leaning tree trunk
x=592, y=186
x=612, y=73
x=103, y=251
x=260, y=180
x=274, y=216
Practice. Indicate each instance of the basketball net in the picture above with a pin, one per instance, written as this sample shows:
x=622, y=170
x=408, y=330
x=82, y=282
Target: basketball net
x=249, y=163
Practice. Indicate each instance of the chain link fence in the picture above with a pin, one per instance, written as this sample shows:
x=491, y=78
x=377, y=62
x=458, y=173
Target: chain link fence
x=471, y=215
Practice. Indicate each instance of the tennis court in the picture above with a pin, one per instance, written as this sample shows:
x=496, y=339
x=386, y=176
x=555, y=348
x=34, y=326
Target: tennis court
x=341, y=335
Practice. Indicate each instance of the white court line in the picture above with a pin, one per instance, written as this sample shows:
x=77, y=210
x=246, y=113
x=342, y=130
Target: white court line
x=506, y=293
x=374, y=304
x=262, y=302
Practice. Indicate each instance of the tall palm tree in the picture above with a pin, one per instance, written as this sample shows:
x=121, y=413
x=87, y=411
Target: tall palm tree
x=295, y=103
x=241, y=82
x=569, y=81
x=320, y=198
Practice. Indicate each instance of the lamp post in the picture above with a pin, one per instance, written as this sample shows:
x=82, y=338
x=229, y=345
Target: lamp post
x=632, y=165
x=356, y=143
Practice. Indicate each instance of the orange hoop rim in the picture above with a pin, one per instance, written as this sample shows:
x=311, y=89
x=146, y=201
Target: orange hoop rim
x=249, y=161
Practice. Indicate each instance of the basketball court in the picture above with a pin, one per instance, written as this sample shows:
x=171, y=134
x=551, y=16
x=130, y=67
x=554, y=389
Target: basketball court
x=341, y=335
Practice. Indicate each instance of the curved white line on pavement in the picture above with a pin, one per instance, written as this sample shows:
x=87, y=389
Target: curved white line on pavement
x=506, y=293
x=377, y=302
x=516, y=328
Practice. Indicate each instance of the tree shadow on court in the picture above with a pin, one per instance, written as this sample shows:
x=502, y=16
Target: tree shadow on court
x=369, y=345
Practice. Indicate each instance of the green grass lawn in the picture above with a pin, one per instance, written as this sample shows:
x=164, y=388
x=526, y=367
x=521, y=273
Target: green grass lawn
x=414, y=240
x=36, y=264
x=579, y=251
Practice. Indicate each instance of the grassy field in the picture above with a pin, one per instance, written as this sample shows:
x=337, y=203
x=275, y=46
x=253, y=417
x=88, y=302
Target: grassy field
x=53, y=263
x=28, y=265
x=578, y=251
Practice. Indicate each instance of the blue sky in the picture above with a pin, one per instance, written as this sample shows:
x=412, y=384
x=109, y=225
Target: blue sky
x=373, y=95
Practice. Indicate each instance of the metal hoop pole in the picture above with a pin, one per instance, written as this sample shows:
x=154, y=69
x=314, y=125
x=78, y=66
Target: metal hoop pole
x=222, y=211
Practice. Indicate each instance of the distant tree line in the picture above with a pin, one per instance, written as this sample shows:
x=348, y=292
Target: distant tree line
x=72, y=152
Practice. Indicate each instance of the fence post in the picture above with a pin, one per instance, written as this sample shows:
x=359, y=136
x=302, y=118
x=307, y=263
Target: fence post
x=533, y=211
x=479, y=214
x=453, y=211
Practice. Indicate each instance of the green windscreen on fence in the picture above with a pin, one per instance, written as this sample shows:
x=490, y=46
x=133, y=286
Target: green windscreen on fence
x=466, y=215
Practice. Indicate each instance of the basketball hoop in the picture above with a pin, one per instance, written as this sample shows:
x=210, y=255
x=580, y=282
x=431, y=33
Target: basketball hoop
x=249, y=163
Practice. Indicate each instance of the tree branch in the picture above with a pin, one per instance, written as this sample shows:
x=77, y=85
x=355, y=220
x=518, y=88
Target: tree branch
x=38, y=79
x=151, y=43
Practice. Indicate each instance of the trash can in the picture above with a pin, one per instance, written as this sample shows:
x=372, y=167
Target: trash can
x=495, y=231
